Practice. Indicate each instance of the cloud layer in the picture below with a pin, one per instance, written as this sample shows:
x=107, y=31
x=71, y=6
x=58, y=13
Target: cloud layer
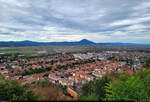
x=73, y=20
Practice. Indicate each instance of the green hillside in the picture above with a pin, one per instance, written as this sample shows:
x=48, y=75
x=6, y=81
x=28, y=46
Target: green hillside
x=120, y=86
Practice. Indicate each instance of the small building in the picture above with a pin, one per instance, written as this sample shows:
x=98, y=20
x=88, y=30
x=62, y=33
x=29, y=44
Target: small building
x=72, y=93
x=54, y=77
x=2, y=66
x=4, y=71
x=15, y=77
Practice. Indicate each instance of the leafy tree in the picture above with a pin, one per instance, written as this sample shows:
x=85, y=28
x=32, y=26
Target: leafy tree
x=87, y=88
x=95, y=87
x=135, y=87
x=52, y=62
x=147, y=63
x=12, y=90
x=112, y=59
x=91, y=97
x=100, y=85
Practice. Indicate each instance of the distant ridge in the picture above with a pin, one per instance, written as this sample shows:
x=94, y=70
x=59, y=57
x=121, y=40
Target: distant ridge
x=83, y=42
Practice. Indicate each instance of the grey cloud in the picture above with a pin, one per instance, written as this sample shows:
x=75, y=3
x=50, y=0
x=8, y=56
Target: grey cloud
x=65, y=20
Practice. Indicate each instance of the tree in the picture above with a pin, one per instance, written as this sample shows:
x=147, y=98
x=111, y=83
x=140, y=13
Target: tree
x=52, y=62
x=96, y=88
x=12, y=90
x=135, y=87
x=74, y=85
x=91, y=97
x=87, y=89
x=100, y=85
x=147, y=63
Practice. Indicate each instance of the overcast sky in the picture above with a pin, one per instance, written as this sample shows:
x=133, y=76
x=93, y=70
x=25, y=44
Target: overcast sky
x=73, y=20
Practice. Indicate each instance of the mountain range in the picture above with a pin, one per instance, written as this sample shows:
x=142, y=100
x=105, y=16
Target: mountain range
x=83, y=42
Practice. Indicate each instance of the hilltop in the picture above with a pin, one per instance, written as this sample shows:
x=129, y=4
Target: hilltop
x=83, y=42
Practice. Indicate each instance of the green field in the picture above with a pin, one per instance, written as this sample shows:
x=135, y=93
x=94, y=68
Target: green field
x=15, y=51
x=9, y=50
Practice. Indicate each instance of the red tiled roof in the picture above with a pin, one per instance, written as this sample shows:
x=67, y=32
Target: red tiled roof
x=78, y=84
x=2, y=66
x=42, y=74
x=15, y=77
x=41, y=78
x=5, y=74
x=52, y=75
x=11, y=74
x=3, y=70
x=80, y=79
x=74, y=77
x=104, y=70
x=89, y=76
x=130, y=72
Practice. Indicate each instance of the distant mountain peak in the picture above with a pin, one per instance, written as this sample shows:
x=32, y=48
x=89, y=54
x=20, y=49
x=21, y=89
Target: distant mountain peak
x=85, y=40
x=26, y=41
x=80, y=43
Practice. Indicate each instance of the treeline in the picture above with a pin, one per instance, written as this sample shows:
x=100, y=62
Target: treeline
x=35, y=71
x=147, y=63
x=127, y=60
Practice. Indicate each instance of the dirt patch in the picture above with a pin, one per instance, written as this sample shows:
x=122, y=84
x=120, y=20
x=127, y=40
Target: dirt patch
x=49, y=93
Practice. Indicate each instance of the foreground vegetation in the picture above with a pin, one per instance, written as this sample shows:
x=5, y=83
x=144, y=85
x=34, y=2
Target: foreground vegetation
x=12, y=90
x=46, y=90
x=119, y=86
x=135, y=87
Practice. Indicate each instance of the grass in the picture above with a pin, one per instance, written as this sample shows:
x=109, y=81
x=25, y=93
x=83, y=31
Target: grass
x=16, y=50
x=27, y=53
x=10, y=50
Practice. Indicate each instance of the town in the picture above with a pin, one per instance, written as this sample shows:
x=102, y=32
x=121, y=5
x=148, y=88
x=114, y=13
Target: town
x=70, y=69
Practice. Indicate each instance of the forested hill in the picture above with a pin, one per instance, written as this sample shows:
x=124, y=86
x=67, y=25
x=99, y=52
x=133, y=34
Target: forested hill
x=83, y=42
